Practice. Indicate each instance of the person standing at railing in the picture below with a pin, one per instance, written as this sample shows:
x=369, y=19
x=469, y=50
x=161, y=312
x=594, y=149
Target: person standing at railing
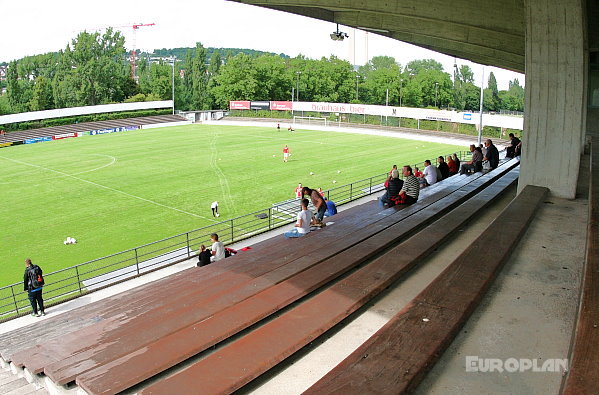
x=298, y=191
x=33, y=281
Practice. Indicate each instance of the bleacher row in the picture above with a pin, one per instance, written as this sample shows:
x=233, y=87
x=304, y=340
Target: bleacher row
x=215, y=329
x=273, y=300
x=87, y=126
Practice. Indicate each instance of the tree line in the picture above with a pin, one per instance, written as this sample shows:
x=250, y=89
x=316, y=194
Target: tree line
x=94, y=69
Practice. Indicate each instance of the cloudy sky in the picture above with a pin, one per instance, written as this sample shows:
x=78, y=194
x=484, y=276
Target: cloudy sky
x=40, y=26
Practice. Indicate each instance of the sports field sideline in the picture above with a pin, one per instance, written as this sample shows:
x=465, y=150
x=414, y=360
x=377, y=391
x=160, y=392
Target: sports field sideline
x=117, y=191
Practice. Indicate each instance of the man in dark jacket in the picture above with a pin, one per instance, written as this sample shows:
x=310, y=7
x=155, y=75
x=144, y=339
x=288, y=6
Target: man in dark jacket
x=393, y=188
x=512, y=149
x=33, y=286
x=443, y=168
x=204, y=256
x=492, y=154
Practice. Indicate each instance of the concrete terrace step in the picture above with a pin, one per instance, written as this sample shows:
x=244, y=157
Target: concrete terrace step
x=15, y=384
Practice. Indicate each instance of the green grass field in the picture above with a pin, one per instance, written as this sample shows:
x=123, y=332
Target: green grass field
x=117, y=191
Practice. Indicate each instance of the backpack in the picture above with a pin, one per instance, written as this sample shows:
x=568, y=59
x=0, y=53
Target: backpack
x=37, y=279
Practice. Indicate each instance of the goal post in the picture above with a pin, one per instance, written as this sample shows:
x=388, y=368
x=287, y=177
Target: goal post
x=297, y=120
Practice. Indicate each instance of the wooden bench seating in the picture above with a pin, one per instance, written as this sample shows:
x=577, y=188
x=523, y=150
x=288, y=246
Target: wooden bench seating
x=242, y=360
x=117, y=328
x=395, y=360
x=583, y=375
x=67, y=369
x=79, y=318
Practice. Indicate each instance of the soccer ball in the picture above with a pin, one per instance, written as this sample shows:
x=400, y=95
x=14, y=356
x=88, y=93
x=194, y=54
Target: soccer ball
x=334, y=182
x=273, y=156
x=311, y=173
x=338, y=171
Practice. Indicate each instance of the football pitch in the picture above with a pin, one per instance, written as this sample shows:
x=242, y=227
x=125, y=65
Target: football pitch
x=117, y=191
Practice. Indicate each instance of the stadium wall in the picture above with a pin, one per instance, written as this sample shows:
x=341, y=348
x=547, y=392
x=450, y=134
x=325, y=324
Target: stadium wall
x=472, y=118
x=74, y=111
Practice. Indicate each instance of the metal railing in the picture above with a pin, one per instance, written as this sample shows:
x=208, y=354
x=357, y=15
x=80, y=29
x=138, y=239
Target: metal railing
x=74, y=281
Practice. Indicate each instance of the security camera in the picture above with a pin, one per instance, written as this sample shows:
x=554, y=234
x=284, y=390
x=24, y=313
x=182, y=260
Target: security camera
x=338, y=35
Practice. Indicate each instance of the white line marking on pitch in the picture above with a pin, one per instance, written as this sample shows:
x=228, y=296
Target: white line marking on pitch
x=108, y=188
x=112, y=162
x=222, y=178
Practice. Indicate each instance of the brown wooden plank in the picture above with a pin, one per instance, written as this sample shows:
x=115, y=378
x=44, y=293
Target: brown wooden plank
x=69, y=362
x=52, y=356
x=583, y=375
x=243, y=314
x=396, y=359
x=239, y=362
x=77, y=319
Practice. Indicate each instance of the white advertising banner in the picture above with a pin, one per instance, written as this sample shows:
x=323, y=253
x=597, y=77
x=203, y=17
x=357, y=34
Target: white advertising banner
x=74, y=111
x=502, y=121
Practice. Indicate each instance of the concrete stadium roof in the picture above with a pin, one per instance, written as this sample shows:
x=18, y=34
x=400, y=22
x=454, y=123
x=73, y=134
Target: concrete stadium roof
x=489, y=32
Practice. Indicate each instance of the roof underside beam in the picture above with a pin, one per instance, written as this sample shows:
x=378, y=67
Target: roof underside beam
x=486, y=32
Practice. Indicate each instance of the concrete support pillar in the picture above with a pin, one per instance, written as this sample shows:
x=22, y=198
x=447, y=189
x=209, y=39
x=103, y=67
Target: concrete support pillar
x=554, y=103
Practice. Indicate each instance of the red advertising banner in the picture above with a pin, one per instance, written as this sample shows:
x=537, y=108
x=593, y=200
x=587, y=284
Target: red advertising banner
x=239, y=105
x=281, y=105
x=64, y=136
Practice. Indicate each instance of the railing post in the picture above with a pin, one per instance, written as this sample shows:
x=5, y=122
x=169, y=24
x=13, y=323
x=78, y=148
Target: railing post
x=351, y=189
x=269, y=218
x=78, y=279
x=188, y=246
x=136, y=261
x=370, y=186
x=12, y=290
x=232, y=233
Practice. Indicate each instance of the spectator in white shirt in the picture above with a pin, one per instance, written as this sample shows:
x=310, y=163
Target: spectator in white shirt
x=218, y=248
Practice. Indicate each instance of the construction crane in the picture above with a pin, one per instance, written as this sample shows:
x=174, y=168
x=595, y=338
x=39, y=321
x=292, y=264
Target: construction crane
x=133, y=50
x=133, y=54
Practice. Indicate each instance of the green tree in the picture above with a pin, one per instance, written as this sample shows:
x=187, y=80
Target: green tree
x=491, y=100
x=95, y=67
x=236, y=81
x=43, y=98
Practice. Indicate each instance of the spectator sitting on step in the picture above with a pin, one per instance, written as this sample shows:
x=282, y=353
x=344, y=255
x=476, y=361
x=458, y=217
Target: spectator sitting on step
x=452, y=166
x=204, y=256
x=388, y=178
x=417, y=172
x=457, y=161
x=302, y=225
x=443, y=168
x=511, y=151
x=492, y=154
x=411, y=188
x=429, y=177
x=218, y=248
x=318, y=202
x=331, y=208
x=475, y=164
x=393, y=188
